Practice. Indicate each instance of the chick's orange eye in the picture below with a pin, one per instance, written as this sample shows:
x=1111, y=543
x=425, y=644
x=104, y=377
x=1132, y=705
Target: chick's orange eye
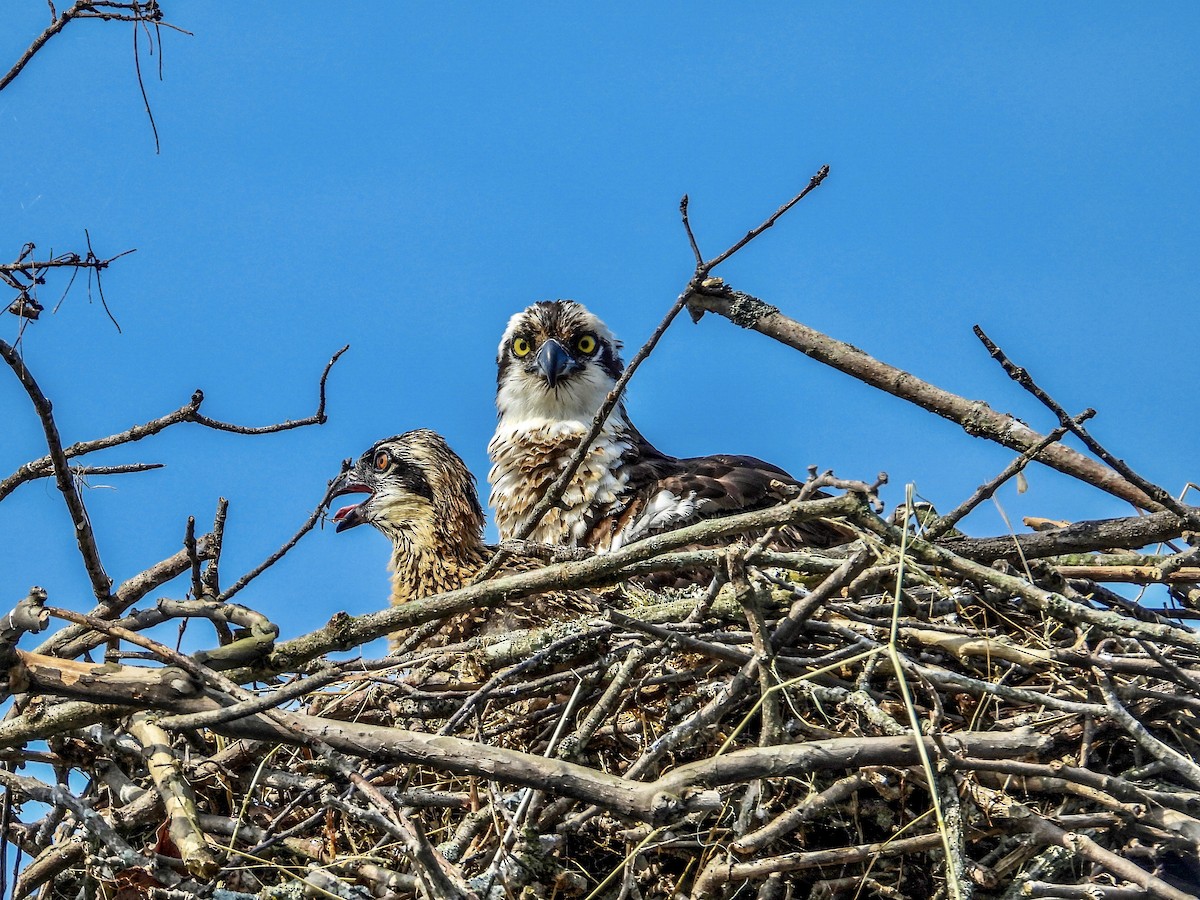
x=521, y=347
x=586, y=344
x=382, y=460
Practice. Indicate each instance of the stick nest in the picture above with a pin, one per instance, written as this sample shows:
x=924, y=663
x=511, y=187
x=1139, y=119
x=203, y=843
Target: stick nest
x=770, y=715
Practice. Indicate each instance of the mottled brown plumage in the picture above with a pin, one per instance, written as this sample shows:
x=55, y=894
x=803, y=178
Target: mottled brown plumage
x=556, y=364
x=421, y=495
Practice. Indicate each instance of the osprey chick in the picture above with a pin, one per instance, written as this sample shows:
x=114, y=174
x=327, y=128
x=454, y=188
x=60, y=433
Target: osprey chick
x=556, y=364
x=421, y=495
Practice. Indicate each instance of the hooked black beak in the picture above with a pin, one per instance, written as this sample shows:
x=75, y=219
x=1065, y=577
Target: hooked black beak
x=554, y=362
x=349, y=483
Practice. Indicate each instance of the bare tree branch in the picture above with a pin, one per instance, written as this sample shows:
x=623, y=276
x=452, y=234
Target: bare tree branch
x=26, y=275
x=974, y=416
x=1018, y=374
x=189, y=412
x=136, y=11
x=84, y=536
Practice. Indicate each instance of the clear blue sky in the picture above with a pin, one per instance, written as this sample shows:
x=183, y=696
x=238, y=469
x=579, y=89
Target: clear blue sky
x=403, y=178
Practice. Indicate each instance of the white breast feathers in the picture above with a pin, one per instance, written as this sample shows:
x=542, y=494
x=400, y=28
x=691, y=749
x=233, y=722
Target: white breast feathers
x=528, y=456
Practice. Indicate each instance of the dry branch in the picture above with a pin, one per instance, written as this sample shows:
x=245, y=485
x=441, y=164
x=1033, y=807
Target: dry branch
x=973, y=416
x=182, y=816
x=189, y=412
x=718, y=874
x=111, y=10
x=1161, y=497
x=84, y=536
x=1082, y=537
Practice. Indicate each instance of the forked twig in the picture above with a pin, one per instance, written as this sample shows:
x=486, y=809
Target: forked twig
x=1161, y=498
x=943, y=524
x=189, y=412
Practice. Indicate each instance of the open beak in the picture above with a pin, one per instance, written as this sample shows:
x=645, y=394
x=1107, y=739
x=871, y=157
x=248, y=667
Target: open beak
x=349, y=516
x=554, y=362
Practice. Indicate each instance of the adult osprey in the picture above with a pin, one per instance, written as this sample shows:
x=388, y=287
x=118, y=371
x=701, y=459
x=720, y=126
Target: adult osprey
x=556, y=364
x=421, y=495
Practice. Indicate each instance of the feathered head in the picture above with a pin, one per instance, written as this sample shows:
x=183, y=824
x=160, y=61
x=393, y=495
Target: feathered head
x=556, y=361
x=416, y=487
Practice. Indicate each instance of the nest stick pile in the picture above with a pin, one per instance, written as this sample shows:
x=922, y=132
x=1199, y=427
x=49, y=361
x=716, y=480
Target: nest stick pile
x=901, y=719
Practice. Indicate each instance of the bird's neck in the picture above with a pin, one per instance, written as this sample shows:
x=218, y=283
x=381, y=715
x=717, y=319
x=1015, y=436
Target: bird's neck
x=427, y=560
x=528, y=454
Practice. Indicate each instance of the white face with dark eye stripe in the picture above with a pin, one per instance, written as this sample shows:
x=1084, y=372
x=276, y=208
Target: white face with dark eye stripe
x=414, y=483
x=556, y=363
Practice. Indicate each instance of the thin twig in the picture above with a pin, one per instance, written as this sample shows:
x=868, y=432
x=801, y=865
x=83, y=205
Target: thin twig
x=812, y=185
x=985, y=491
x=79, y=472
x=137, y=65
x=84, y=536
x=189, y=412
x=1162, y=498
x=309, y=523
x=687, y=227
x=317, y=418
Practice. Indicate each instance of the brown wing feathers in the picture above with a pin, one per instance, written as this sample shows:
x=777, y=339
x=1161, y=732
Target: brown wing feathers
x=711, y=486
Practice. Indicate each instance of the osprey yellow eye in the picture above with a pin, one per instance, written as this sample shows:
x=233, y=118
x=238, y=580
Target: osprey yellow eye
x=521, y=347
x=586, y=344
x=382, y=460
